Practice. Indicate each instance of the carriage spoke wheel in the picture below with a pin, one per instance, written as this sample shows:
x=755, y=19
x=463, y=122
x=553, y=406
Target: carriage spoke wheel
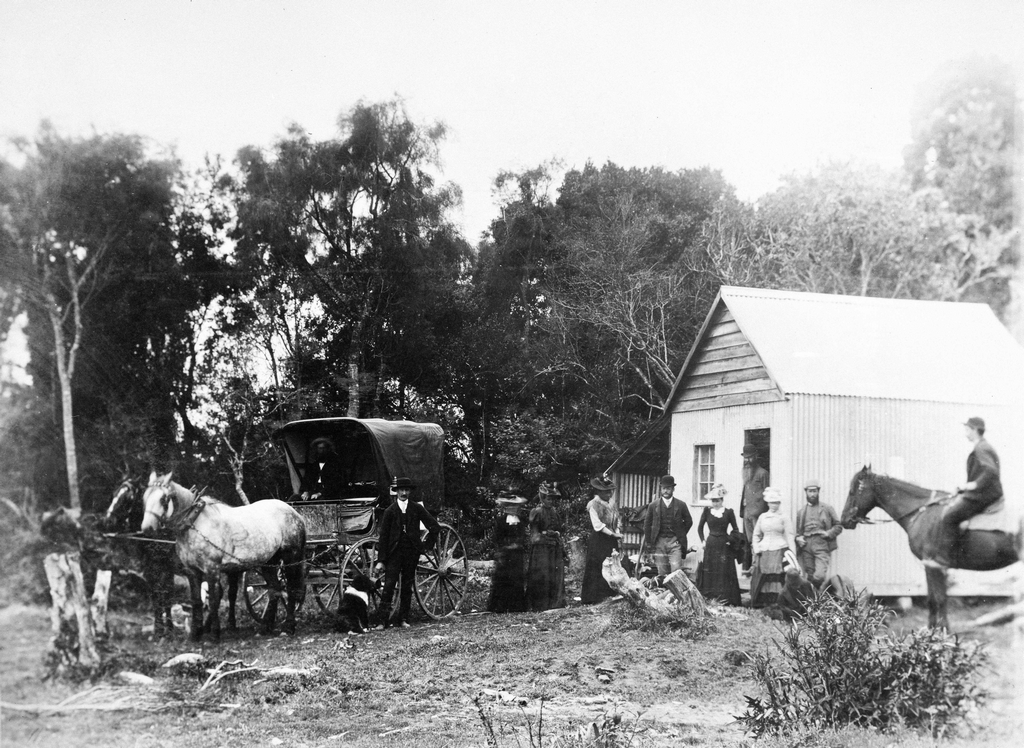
x=360, y=559
x=442, y=575
x=257, y=596
x=323, y=567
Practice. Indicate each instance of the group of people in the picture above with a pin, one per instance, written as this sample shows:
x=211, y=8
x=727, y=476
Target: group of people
x=529, y=563
x=768, y=534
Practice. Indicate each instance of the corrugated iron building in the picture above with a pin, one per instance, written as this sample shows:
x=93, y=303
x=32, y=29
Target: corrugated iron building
x=823, y=384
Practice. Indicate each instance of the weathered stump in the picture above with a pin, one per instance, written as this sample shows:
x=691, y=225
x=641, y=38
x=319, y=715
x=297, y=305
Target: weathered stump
x=71, y=616
x=631, y=589
x=576, y=550
x=686, y=593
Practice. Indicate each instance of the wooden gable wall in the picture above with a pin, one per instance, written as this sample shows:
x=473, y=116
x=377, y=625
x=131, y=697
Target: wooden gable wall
x=725, y=370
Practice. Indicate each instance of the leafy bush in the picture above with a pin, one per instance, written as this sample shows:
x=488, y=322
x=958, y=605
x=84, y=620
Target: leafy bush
x=836, y=670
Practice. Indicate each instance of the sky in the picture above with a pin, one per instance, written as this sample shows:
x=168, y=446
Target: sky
x=755, y=89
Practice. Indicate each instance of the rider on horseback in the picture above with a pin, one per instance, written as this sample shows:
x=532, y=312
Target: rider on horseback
x=982, y=489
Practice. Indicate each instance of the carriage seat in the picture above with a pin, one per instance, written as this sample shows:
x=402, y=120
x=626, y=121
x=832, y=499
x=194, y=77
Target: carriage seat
x=993, y=518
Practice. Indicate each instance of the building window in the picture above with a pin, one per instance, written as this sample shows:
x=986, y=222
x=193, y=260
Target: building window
x=703, y=470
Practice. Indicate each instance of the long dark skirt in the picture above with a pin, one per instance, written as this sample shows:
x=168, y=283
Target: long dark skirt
x=599, y=547
x=545, y=581
x=768, y=578
x=508, y=585
x=717, y=577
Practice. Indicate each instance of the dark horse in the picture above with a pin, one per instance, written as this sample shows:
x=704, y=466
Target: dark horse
x=213, y=538
x=919, y=511
x=156, y=557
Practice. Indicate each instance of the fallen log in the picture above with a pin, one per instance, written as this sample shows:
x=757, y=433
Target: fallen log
x=997, y=617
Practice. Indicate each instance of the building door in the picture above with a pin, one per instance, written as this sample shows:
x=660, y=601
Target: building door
x=761, y=439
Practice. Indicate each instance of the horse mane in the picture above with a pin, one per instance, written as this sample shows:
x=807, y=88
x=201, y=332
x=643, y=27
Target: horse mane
x=907, y=487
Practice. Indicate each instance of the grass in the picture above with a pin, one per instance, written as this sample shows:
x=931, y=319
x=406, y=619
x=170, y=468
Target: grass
x=426, y=686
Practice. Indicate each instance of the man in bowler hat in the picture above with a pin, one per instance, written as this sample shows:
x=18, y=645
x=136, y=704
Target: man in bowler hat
x=399, y=548
x=752, y=503
x=668, y=521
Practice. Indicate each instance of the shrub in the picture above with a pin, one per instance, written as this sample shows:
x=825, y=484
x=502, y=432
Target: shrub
x=837, y=670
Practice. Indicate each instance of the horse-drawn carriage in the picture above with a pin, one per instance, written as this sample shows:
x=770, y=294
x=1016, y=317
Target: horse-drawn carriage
x=342, y=516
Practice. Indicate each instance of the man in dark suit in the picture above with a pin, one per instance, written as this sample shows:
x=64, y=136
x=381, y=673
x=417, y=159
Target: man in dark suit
x=323, y=477
x=399, y=548
x=668, y=521
x=752, y=503
x=982, y=489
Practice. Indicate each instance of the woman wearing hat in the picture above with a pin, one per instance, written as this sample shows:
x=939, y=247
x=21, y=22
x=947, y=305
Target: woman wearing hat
x=508, y=584
x=545, y=579
x=717, y=578
x=604, y=538
x=773, y=536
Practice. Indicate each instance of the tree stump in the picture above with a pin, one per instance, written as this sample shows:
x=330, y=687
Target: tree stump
x=686, y=594
x=71, y=618
x=576, y=550
x=631, y=589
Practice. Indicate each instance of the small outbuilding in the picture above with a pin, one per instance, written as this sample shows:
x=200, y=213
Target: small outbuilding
x=823, y=384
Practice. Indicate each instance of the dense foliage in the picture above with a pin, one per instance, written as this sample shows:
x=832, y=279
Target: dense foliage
x=837, y=667
x=326, y=277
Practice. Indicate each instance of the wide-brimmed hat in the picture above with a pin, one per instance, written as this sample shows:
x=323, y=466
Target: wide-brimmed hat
x=321, y=440
x=402, y=483
x=507, y=498
x=749, y=451
x=667, y=481
x=717, y=492
x=547, y=488
x=772, y=495
x=600, y=483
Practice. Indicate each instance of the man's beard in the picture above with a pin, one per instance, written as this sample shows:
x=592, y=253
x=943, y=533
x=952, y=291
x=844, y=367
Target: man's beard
x=748, y=473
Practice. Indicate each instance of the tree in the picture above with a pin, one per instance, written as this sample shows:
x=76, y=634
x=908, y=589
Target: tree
x=851, y=230
x=357, y=227
x=963, y=150
x=72, y=205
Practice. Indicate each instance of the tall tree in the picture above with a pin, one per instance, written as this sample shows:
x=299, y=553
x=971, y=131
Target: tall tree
x=358, y=227
x=74, y=204
x=963, y=148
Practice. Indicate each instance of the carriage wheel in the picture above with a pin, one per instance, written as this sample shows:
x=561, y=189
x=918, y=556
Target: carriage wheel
x=442, y=575
x=257, y=596
x=360, y=559
x=323, y=567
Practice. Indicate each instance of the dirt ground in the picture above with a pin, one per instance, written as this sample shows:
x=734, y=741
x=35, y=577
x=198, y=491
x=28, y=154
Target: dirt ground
x=435, y=684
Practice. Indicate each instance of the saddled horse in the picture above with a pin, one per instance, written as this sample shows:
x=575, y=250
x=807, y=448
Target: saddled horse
x=919, y=512
x=213, y=537
x=157, y=561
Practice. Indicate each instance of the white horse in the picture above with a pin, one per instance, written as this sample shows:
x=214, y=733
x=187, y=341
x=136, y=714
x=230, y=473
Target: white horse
x=214, y=538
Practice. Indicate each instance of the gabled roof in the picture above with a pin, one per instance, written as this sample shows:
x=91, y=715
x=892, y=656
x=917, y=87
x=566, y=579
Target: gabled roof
x=858, y=346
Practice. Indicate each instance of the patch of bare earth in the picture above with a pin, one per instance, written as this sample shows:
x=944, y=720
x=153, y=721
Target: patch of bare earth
x=427, y=685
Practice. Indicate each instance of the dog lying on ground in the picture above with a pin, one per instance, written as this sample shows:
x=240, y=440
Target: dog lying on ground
x=354, y=607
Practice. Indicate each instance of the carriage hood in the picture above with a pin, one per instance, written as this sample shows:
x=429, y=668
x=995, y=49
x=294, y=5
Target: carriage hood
x=375, y=452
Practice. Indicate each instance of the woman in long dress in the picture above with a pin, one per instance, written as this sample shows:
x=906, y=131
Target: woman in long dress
x=603, y=510
x=545, y=578
x=508, y=584
x=717, y=579
x=773, y=536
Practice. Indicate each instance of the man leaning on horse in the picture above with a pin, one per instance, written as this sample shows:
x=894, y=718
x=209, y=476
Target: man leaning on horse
x=982, y=489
